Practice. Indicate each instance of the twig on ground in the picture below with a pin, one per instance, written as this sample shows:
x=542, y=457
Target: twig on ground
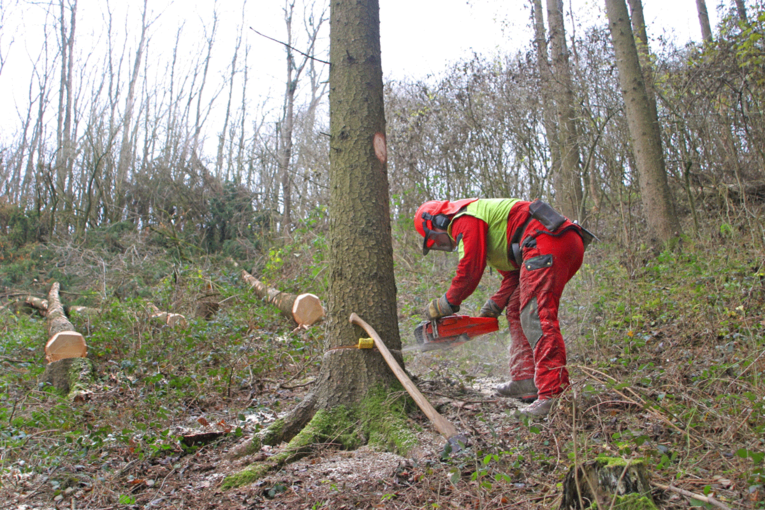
x=689, y=494
x=639, y=402
x=283, y=386
x=11, y=360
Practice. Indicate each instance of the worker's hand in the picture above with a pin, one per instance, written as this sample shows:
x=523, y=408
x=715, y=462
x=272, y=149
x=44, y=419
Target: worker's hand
x=490, y=309
x=440, y=308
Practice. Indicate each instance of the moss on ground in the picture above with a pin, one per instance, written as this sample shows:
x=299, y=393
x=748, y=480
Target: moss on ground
x=384, y=420
x=379, y=420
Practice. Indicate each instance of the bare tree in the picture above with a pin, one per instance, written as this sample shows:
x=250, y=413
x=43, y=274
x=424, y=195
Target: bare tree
x=286, y=126
x=706, y=28
x=126, y=147
x=222, y=136
x=644, y=53
x=199, y=118
x=658, y=205
x=568, y=181
x=65, y=102
x=546, y=88
x=4, y=47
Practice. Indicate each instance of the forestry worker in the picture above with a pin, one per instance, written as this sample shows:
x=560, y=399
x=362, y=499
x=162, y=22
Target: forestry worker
x=536, y=251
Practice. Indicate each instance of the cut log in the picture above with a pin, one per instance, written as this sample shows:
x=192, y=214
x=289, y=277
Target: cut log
x=71, y=376
x=171, y=319
x=37, y=303
x=68, y=370
x=305, y=309
x=605, y=481
x=64, y=342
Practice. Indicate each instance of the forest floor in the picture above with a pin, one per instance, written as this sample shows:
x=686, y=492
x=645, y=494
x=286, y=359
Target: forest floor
x=666, y=354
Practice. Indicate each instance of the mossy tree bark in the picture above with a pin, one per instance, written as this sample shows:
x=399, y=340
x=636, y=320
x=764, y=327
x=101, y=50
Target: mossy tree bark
x=346, y=404
x=645, y=136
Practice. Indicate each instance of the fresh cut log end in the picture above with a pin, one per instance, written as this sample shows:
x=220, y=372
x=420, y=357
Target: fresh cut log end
x=307, y=310
x=65, y=344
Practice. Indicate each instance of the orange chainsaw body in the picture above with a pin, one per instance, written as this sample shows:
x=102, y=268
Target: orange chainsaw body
x=452, y=330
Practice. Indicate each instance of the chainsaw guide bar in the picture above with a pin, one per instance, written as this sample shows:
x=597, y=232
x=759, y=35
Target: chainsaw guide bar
x=450, y=331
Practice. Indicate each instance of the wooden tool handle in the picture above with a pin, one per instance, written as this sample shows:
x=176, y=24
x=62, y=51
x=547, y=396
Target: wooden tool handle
x=444, y=426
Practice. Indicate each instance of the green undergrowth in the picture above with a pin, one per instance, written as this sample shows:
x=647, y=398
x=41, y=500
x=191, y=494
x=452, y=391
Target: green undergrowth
x=152, y=381
x=379, y=420
x=669, y=360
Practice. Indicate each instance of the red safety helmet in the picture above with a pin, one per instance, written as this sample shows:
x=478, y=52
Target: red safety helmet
x=437, y=214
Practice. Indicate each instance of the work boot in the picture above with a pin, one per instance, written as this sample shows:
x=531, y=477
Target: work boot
x=539, y=409
x=524, y=390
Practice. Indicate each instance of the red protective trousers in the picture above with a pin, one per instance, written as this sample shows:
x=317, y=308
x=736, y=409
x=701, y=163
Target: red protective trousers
x=536, y=345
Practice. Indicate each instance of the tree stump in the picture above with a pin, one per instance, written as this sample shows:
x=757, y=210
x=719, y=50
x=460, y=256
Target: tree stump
x=605, y=480
x=305, y=309
x=68, y=370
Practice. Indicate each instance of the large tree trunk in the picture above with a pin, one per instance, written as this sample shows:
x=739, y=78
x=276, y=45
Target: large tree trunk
x=568, y=182
x=126, y=147
x=645, y=136
x=361, y=250
x=351, y=381
x=706, y=28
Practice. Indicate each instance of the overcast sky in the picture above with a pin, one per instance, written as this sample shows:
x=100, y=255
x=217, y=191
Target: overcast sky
x=419, y=37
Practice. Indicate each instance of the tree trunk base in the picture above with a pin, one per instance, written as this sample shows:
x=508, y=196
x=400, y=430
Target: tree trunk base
x=70, y=376
x=600, y=481
x=380, y=419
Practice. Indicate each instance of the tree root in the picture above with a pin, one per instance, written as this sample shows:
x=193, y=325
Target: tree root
x=379, y=420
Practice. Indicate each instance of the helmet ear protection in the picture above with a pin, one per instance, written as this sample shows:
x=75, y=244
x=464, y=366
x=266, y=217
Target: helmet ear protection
x=439, y=221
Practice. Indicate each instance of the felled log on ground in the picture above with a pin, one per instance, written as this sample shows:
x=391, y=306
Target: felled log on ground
x=305, y=309
x=171, y=319
x=37, y=303
x=606, y=480
x=68, y=370
x=64, y=342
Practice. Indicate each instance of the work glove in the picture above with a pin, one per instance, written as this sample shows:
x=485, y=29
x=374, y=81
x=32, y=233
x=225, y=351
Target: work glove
x=440, y=308
x=490, y=309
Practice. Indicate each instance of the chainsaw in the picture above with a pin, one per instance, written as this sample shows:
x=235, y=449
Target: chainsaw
x=450, y=331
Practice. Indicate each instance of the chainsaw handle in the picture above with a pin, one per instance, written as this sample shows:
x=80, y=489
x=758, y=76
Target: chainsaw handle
x=444, y=426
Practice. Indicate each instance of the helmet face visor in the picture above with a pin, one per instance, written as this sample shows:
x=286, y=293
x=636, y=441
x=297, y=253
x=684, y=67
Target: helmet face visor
x=435, y=240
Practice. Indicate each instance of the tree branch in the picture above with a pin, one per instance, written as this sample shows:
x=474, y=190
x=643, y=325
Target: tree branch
x=290, y=47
